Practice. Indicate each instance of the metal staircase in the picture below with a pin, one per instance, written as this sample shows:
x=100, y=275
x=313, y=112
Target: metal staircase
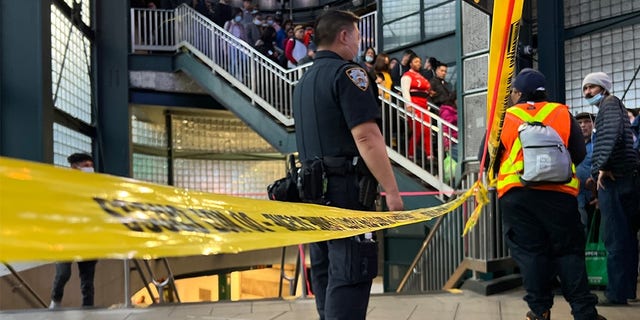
x=259, y=92
x=244, y=81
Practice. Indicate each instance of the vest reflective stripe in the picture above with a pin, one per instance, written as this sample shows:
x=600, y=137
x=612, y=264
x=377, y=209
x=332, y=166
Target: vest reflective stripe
x=513, y=164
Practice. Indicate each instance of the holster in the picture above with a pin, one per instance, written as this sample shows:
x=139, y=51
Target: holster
x=312, y=181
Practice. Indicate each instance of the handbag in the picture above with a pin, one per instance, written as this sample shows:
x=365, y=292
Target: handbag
x=286, y=189
x=596, y=254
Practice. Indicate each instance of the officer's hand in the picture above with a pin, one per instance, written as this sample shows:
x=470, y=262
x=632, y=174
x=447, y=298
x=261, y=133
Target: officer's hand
x=394, y=202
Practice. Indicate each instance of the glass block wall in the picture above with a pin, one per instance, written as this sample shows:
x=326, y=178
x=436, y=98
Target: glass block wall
x=147, y=167
x=214, y=153
x=66, y=142
x=70, y=64
x=616, y=52
x=71, y=81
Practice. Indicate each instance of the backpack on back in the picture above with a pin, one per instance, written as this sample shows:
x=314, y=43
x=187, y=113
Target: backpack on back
x=546, y=159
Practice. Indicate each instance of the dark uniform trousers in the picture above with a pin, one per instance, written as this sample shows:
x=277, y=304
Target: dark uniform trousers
x=342, y=270
x=546, y=238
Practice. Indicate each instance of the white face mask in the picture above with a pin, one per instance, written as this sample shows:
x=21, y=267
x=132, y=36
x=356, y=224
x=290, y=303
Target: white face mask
x=86, y=169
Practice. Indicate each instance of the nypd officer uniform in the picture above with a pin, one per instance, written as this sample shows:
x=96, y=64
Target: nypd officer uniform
x=331, y=98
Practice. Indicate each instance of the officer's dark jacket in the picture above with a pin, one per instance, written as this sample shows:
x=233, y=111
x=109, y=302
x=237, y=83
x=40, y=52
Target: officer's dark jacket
x=331, y=98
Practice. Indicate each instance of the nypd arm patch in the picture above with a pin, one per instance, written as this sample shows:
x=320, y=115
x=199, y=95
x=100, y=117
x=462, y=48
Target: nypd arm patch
x=359, y=77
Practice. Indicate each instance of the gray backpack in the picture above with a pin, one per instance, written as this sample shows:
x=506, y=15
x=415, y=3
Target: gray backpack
x=546, y=158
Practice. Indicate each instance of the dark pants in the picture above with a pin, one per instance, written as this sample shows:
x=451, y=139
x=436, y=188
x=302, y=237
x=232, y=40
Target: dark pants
x=342, y=269
x=618, y=203
x=546, y=239
x=63, y=273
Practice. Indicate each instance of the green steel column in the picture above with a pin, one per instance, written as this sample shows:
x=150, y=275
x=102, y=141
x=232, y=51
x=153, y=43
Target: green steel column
x=26, y=107
x=551, y=47
x=113, y=122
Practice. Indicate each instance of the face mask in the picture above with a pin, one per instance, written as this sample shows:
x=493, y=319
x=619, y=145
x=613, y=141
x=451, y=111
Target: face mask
x=269, y=22
x=368, y=58
x=594, y=100
x=238, y=18
x=257, y=22
x=87, y=169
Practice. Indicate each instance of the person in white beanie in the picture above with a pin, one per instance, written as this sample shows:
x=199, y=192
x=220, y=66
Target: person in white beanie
x=615, y=166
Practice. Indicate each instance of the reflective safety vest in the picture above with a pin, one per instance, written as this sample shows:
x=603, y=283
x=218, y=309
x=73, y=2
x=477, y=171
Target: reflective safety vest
x=511, y=161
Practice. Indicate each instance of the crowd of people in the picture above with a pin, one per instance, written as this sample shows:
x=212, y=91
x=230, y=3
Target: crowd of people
x=546, y=240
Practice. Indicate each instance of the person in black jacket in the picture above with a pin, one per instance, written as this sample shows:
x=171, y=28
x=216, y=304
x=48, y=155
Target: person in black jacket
x=614, y=166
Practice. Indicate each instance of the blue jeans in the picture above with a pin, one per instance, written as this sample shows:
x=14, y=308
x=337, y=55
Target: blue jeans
x=63, y=273
x=618, y=203
x=342, y=270
x=546, y=239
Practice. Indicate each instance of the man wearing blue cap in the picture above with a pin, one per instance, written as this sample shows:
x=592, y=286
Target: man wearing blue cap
x=541, y=223
x=615, y=166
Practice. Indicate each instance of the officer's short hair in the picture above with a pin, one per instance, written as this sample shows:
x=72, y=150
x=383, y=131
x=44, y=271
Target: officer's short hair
x=79, y=157
x=329, y=24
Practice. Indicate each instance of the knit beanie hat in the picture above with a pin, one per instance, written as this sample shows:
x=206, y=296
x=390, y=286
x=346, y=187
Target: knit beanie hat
x=529, y=81
x=598, y=78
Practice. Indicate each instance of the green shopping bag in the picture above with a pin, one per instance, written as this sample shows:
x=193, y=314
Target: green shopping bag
x=449, y=168
x=596, y=254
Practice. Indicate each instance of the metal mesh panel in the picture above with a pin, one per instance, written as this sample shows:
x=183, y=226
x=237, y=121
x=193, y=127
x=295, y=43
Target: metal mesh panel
x=216, y=135
x=392, y=10
x=238, y=178
x=70, y=60
x=401, y=21
x=66, y=142
x=616, y=52
x=150, y=168
x=577, y=12
x=148, y=134
x=440, y=20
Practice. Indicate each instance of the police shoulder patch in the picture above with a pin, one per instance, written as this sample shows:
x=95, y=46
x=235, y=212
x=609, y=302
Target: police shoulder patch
x=359, y=77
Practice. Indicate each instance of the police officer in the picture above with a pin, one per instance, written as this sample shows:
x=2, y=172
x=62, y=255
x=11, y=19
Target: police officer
x=335, y=110
x=541, y=222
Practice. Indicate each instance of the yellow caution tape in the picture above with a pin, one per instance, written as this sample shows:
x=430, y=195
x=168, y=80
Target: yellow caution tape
x=52, y=213
x=505, y=29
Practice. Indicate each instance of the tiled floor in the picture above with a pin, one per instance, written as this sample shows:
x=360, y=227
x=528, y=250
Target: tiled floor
x=440, y=306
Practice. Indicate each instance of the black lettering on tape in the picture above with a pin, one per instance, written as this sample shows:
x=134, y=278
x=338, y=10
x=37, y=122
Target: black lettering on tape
x=248, y=222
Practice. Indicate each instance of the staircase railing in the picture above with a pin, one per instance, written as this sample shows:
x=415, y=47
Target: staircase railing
x=445, y=256
x=270, y=86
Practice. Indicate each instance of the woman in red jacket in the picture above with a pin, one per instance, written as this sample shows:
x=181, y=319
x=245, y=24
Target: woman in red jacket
x=416, y=88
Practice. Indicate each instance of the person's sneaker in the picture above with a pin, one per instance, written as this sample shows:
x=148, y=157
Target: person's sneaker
x=545, y=315
x=54, y=305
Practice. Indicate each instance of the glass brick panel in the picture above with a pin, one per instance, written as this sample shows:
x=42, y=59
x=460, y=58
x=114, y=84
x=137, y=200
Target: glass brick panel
x=66, y=142
x=148, y=134
x=247, y=179
x=70, y=61
x=85, y=7
x=150, y=168
x=216, y=135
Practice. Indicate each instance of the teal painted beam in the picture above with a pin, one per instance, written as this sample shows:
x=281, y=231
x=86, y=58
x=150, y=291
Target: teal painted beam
x=26, y=104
